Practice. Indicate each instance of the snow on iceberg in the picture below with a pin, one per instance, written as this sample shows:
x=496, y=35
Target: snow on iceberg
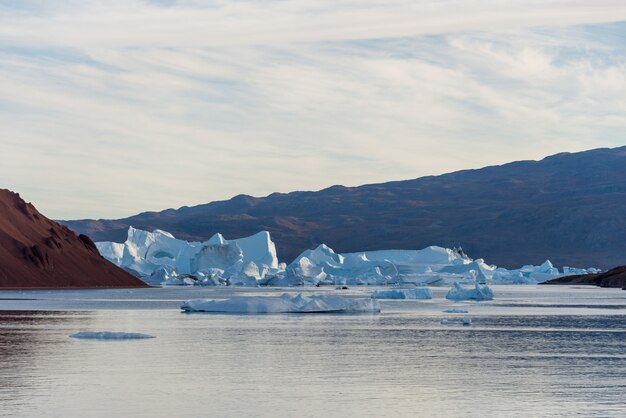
x=530, y=274
x=479, y=292
x=283, y=304
x=483, y=272
x=417, y=293
x=323, y=266
x=573, y=271
x=107, y=335
x=159, y=258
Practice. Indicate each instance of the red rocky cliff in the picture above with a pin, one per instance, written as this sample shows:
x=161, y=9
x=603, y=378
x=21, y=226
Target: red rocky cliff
x=36, y=252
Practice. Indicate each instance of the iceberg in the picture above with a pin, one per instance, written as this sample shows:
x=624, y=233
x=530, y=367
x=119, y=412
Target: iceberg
x=483, y=271
x=283, y=304
x=107, y=335
x=479, y=292
x=378, y=268
x=161, y=259
x=530, y=274
x=573, y=271
x=163, y=274
x=418, y=293
x=466, y=320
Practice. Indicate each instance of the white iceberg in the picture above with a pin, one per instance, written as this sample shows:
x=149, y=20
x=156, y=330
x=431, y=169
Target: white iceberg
x=483, y=271
x=466, y=320
x=530, y=274
x=573, y=271
x=283, y=304
x=161, y=275
x=107, y=335
x=379, y=268
x=417, y=293
x=479, y=292
x=159, y=258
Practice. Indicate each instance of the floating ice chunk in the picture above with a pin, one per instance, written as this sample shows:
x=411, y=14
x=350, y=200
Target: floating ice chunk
x=216, y=239
x=258, y=248
x=243, y=281
x=322, y=266
x=429, y=255
x=482, y=271
x=456, y=311
x=112, y=251
x=417, y=293
x=220, y=256
x=466, y=320
x=161, y=275
x=513, y=277
x=283, y=304
x=145, y=252
x=107, y=335
x=573, y=271
x=458, y=292
x=321, y=255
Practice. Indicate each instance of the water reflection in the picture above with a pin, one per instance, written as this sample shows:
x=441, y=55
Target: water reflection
x=298, y=365
x=24, y=342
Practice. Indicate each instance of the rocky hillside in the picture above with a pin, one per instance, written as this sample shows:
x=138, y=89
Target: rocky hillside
x=613, y=278
x=38, y=252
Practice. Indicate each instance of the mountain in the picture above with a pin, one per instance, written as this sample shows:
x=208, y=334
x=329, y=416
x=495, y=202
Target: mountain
x=570, y=207
x=615, y=277
x=38, y=252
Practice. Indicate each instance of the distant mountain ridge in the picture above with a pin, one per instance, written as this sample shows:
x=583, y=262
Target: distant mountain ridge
x=570, y=207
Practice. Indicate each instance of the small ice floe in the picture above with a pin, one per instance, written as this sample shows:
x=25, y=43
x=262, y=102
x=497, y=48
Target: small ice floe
x=283, y=304
x=456, y=311
x=466, y=320
x=479, y=292
x=417, y=293
x=107, y=335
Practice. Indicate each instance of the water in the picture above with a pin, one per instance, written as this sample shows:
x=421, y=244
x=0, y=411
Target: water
x=534, y=351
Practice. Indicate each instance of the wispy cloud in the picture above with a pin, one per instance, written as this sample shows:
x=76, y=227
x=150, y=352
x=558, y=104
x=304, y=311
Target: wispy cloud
x=110, y=108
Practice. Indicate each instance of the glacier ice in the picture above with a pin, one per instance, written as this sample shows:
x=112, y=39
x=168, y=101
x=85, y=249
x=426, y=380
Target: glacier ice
x=479, y=292
x=283, y=304
x=417, y=293
x=108, y=335
x=483, y=271
x=466, y=320
x=323, y=266
x=573, y=271
x=161, y=259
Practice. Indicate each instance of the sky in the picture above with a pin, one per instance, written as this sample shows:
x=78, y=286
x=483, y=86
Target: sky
x=110, y=108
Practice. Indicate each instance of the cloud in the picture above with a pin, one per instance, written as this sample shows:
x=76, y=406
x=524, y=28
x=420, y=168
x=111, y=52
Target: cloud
x=108, y=109
x=228, y=23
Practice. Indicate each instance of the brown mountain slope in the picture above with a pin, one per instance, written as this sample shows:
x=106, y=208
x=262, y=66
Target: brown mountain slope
x=38, y=252
x=613, y=278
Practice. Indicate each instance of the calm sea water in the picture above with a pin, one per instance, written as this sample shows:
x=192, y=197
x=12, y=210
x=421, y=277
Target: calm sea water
x=534, y=351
